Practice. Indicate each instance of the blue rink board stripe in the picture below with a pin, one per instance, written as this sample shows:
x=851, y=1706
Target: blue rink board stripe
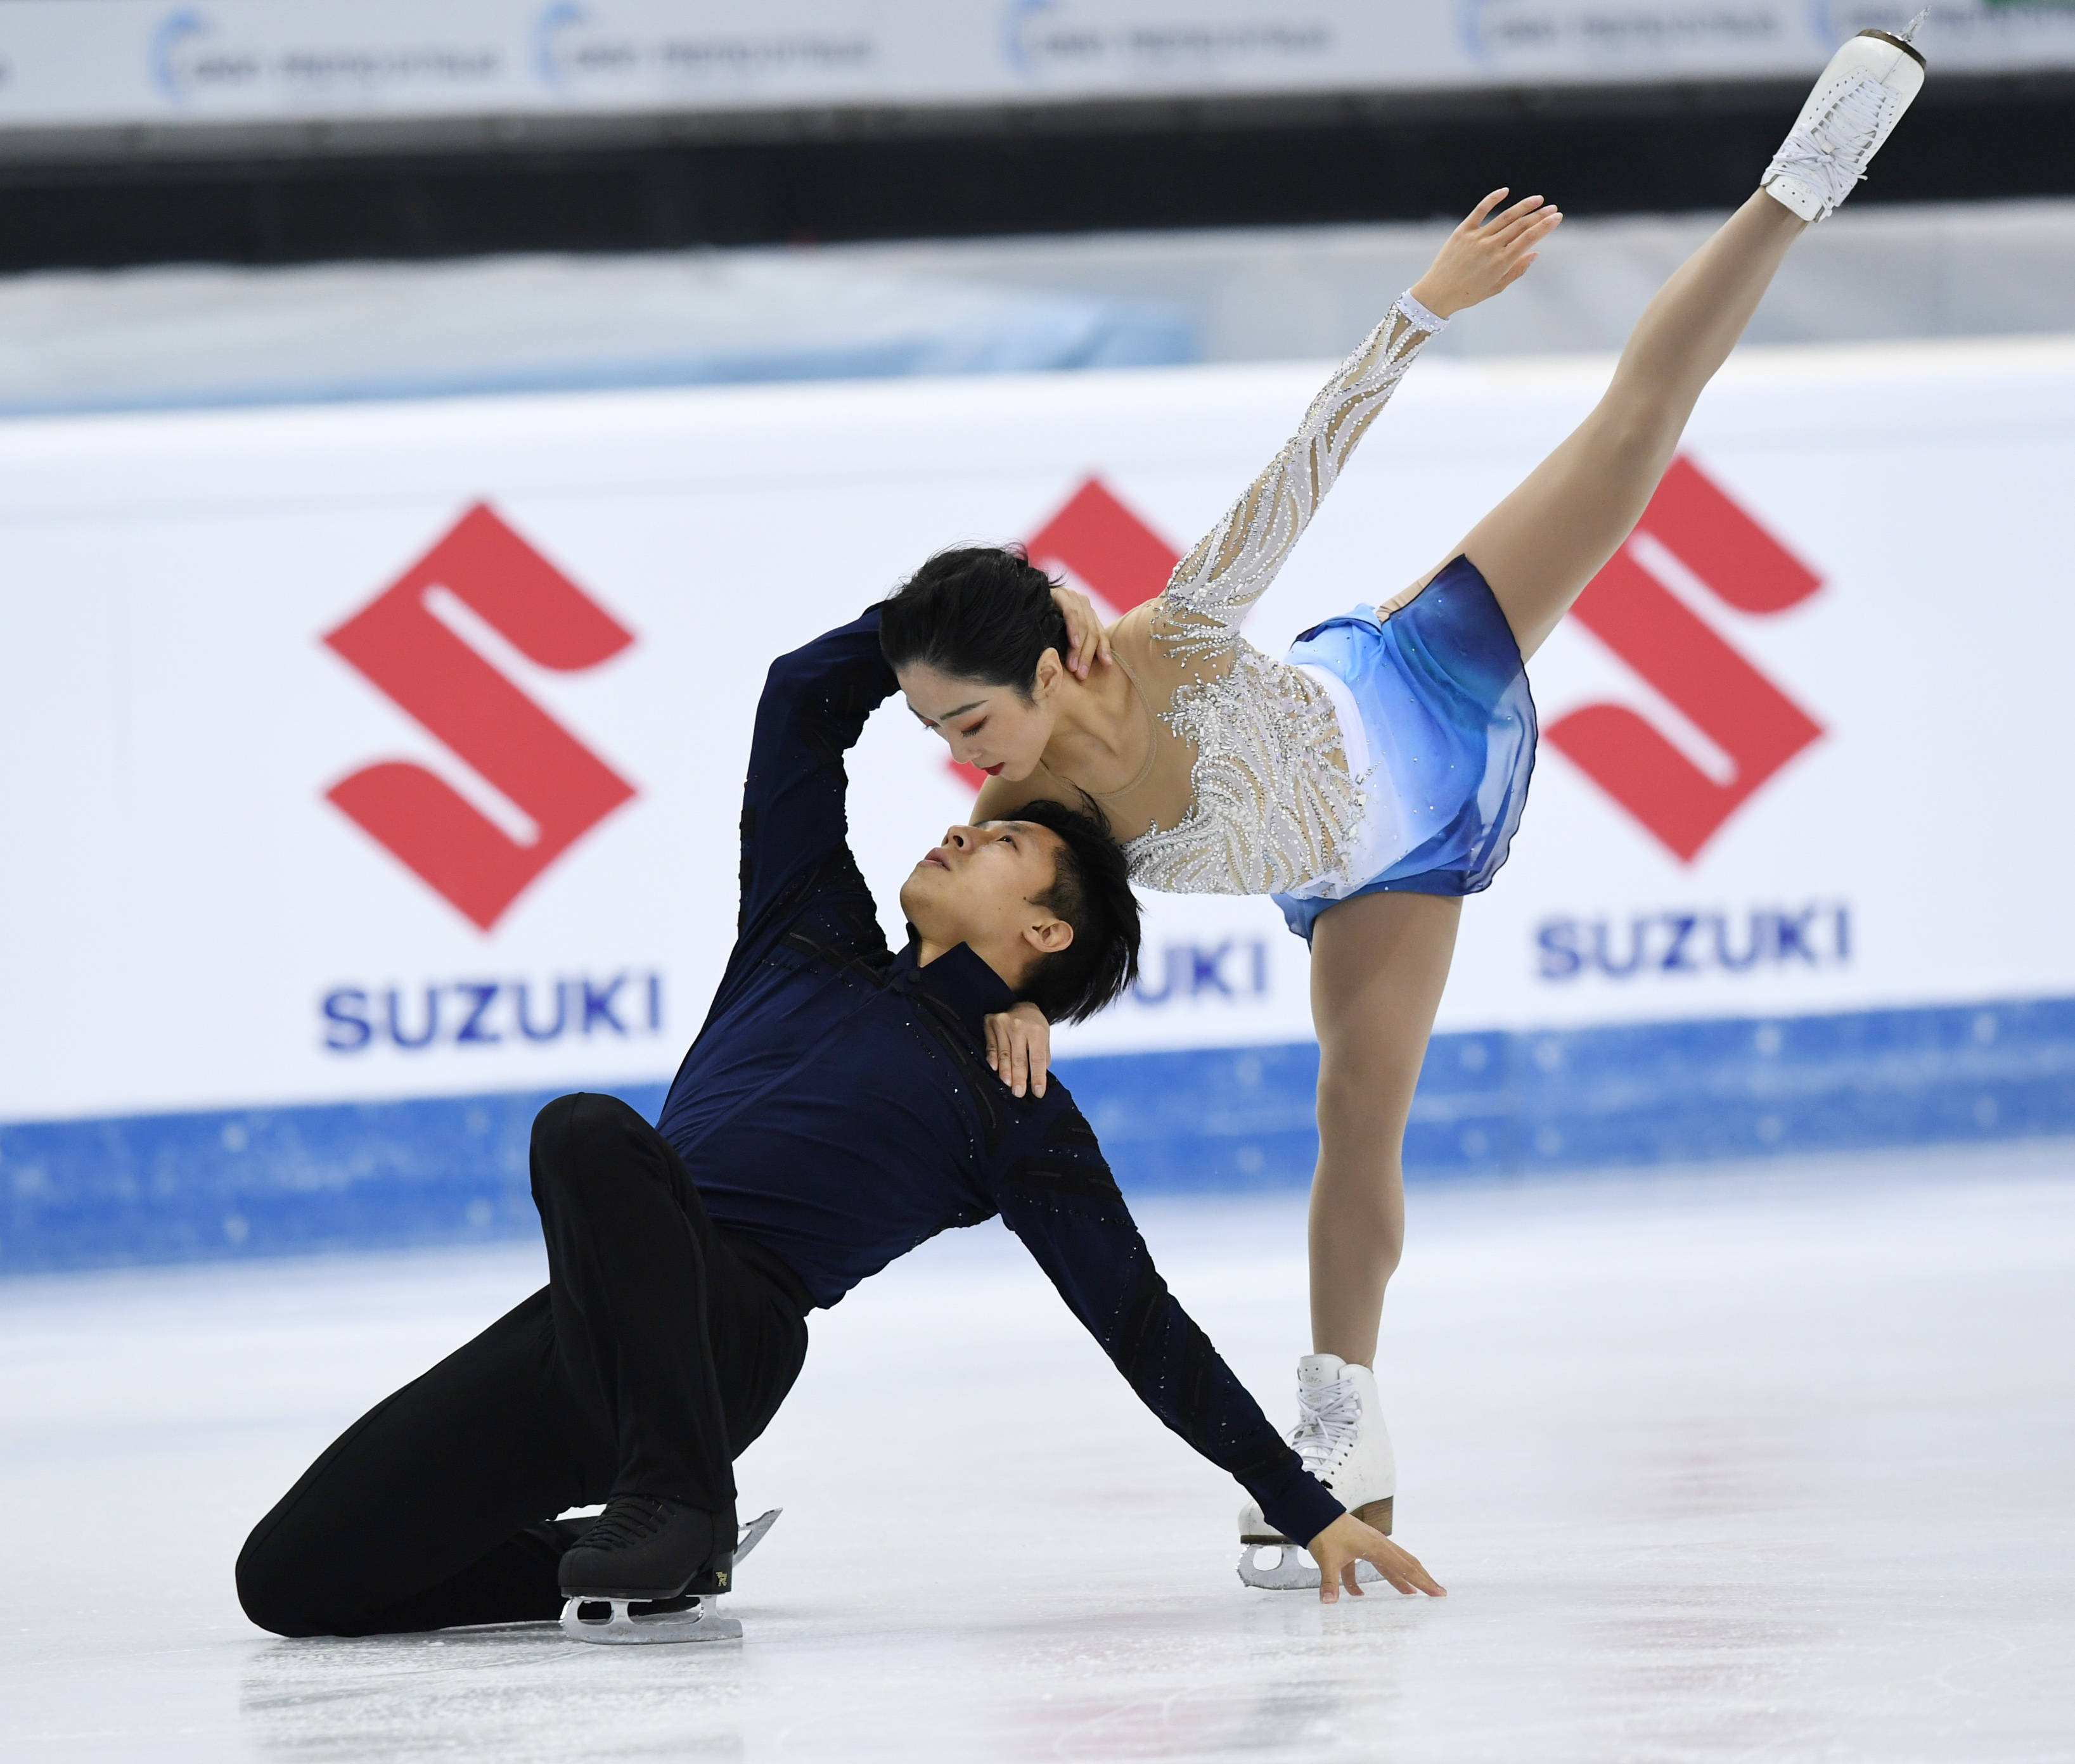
x=157, y=1188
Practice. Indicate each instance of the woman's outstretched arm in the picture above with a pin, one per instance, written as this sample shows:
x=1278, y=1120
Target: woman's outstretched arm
x=1212, y=590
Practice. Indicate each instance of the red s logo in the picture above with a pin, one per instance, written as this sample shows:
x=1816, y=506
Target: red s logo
x=402, y=647
x=1749, y=719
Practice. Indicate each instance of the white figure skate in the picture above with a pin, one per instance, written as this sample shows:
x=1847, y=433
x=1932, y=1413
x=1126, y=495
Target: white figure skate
x=693, y=1616
x=1854, y=108
x=1340, y=1436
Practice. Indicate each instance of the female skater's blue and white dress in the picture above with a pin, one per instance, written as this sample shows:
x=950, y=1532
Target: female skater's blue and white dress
x=1390, y=750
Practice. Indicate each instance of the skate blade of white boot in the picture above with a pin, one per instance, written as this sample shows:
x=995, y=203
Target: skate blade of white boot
x=1288, y=1567
x=624, y=1620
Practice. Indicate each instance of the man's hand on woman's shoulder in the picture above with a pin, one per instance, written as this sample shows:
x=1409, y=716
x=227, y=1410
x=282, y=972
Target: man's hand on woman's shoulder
x=1088, y=642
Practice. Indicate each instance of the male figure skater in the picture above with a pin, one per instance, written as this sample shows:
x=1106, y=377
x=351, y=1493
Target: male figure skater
x=836, y=1110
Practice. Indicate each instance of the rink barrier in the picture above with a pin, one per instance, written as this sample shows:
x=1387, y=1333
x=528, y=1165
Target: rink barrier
x=1507, y=1102
x=234, y=1183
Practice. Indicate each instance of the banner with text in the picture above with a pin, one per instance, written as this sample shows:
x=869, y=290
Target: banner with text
x=119, y=63
x=395, y=750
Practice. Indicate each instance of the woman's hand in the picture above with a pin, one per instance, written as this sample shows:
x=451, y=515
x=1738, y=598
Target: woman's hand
x=1089, y=642
x=1485, y=254
x=1347, y=1541
x=1019, y=1046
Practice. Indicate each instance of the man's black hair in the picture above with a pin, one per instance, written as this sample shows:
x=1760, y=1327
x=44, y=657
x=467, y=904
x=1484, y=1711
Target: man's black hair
x=979, y=613
x=1091, y=891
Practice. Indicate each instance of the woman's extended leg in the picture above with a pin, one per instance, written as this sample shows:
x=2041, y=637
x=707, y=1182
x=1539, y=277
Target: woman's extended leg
x=1540, y=547
x=1378, y=965
x=1381, y=961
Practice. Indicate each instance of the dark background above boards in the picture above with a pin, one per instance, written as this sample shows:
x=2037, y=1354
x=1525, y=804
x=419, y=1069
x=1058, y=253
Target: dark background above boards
x=657, y=184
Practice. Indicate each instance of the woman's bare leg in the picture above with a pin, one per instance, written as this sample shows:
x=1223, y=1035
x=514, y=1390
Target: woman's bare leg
x=1379, y=961
x=1378, y=964
x=1542, y=545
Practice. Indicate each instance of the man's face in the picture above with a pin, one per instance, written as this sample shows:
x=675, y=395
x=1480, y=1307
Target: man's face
x=981, y=887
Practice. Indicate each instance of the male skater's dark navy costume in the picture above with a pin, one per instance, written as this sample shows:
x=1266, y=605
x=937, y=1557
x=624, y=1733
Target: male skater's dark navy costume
x=835, y=1111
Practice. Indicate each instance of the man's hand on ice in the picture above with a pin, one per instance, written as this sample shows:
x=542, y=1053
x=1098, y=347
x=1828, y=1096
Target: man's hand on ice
x=1347, y=1541
x=1019, y=1047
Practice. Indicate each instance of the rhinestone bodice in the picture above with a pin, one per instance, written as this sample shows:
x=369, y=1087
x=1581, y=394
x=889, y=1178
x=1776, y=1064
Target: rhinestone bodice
x=1272, y=803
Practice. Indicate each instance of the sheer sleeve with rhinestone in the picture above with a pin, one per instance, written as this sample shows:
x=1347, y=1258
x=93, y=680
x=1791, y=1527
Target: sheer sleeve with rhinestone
x=1212, y=589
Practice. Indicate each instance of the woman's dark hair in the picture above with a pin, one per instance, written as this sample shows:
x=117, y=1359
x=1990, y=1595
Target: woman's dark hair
x=1091, y=891
x=979, y=613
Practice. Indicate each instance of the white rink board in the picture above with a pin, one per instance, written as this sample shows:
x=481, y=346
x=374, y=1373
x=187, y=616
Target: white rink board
x=181, y=897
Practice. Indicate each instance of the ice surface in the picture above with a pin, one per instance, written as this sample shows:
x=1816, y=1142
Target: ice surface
x=1739, y=1466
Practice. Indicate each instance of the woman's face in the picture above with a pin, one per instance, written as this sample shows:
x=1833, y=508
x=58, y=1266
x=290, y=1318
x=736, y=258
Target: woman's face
x=992, y=727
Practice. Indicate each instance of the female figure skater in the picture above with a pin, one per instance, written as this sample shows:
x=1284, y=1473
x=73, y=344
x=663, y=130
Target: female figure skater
x=1374, y=776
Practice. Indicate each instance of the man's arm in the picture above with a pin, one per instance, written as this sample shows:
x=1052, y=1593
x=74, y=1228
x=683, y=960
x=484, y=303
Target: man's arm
x=1061, y=1200
x=794, y=819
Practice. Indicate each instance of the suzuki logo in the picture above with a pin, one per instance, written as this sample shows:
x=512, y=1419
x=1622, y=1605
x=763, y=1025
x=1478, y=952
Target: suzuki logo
x=405, y=643
x=1109, y=551
x=1693, y=534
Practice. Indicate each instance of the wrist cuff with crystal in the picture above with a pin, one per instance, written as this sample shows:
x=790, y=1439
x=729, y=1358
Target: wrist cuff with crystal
x=1431, y=323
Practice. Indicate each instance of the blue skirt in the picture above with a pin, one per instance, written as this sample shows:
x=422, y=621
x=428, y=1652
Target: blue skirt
x=1439, y=726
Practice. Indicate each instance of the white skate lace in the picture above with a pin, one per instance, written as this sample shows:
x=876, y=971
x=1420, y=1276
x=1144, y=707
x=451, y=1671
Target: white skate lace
x=1328, y=1416
x=1830, y=155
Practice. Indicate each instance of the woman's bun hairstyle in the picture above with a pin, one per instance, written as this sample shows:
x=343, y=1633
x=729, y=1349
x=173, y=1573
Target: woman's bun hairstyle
x=982, y=612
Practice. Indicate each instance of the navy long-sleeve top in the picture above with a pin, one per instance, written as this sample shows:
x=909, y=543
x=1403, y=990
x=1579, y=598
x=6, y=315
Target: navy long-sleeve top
x=838, y=1108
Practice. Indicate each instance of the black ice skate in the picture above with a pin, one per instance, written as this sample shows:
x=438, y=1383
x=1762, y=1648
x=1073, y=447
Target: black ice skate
x=652, y=1570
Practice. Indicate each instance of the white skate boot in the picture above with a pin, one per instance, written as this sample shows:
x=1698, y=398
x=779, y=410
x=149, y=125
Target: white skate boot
x=1854, y=108
x=1340, y=1436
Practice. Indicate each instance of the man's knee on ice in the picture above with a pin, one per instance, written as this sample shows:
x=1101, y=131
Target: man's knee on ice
x=277, y=1591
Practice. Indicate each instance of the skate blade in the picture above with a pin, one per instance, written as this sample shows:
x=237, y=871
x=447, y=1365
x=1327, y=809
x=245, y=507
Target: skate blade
x=1288, y=1567
x=634, y=1621
x=752, y=1534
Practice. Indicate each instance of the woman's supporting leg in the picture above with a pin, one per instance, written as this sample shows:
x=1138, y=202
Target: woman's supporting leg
x=1379, y=963
x=1540, y=547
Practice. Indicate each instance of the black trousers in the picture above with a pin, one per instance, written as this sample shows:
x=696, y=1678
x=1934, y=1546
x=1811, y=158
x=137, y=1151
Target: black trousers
x=658, y=1349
